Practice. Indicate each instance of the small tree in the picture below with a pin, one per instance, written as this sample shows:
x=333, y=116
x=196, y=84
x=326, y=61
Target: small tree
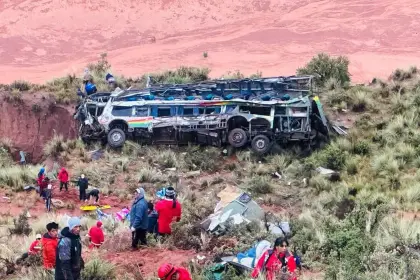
x=21, y=225
x=325, y=67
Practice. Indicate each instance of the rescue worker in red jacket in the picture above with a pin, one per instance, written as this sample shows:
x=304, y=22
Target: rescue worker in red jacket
x=96, y=236
x=276, y=261
x=49, y=246
x=169, y=210
x=168, y=271
x=63, y=176
x=34, y=249
x=43, y=186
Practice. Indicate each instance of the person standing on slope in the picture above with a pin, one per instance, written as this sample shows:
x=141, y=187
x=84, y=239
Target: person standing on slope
x=48, y=197
x=49, y=246
x=69, y=261
x=63, y=176
x=139, y=220
x=83, y=184
x=168, y=271
x=169, y=210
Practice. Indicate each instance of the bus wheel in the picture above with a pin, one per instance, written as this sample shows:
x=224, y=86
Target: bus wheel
x=237, y=137
x=116, y=138
x=261, y=144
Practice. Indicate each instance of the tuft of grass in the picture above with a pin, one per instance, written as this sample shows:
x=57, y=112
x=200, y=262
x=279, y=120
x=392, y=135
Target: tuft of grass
x=20, y=85
x=99, y=269
x=16, y=177
x=259, y=184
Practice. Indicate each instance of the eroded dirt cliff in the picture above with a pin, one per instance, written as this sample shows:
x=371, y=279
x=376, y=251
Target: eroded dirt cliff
x=30, y=122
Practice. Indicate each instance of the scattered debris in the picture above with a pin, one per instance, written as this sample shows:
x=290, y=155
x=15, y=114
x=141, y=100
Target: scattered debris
x=57, y=203
x=96, y=154
x=331, y=174
x=241, y=209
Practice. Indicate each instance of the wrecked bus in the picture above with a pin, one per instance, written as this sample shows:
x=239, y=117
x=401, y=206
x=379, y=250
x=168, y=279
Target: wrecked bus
x=137, y=115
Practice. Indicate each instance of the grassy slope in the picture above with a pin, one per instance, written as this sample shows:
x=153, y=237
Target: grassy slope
x=344, y=235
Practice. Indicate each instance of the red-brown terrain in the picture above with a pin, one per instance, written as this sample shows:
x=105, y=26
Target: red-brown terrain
x=43, y=39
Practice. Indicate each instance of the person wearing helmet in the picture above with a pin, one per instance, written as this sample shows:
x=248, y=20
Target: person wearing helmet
x=168, y=271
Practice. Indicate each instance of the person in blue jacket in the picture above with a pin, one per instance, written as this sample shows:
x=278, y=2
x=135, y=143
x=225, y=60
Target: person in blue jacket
x=90, y=87
x=139, y=220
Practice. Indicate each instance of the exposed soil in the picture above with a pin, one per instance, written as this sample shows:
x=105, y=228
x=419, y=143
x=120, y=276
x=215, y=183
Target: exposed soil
x=30, y=122
x=36, y=205
x=148, y=260
x=40, y=40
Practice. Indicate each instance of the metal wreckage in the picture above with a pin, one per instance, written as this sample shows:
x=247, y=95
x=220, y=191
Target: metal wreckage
x=238, y=112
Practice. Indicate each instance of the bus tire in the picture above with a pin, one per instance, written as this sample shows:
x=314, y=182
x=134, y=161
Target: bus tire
x=116, y=138
x=261, y=144
x=237, y=137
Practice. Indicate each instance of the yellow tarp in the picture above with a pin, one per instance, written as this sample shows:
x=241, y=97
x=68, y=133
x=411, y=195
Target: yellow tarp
x=94, y=207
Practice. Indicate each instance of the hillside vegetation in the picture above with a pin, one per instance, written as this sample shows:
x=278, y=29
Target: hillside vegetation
x=361, y=225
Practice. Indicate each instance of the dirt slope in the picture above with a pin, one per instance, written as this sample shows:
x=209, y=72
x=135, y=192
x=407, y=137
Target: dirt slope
x=32, y=122
x=41, y=39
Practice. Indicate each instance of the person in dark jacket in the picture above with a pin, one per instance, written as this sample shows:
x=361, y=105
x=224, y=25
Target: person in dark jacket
x=139, y=220
x=93, y=193
x=69, y=261
x=43, y=187
x=48, y=197
x=83, y=184
x=153, y=216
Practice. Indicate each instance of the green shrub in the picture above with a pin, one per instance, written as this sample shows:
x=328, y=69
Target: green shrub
x=21, y=225
x=183, y=74
x=20, y=85
x=334, y=158
x=326, y=67
x=98, y=269
x=260, y=184
x=207, y=159
x=361, y=147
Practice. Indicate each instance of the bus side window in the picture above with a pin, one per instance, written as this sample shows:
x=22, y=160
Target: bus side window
x=230, y=108
x=188, y=111
x=164, y=112
x=141, y=111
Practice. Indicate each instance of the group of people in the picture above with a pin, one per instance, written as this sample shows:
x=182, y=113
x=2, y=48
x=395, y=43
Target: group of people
x=62, y=252
x=146, y=217
x=45, y=187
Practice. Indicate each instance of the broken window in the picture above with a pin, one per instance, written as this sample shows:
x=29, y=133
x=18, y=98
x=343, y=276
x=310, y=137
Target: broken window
x=141, y=112
x=212, y=110
x=188, y=111
x=280, y=110
x=265, y=111
x=121, y=111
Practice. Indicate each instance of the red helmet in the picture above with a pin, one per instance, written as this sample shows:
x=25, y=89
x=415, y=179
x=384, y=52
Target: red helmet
x=165, y=271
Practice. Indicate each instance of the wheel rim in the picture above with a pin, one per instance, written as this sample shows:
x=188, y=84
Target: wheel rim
x=260, y=144
x=237, y=137
x=116, y=137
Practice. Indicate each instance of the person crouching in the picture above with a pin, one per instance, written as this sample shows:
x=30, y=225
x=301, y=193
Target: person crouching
x=96, y=236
